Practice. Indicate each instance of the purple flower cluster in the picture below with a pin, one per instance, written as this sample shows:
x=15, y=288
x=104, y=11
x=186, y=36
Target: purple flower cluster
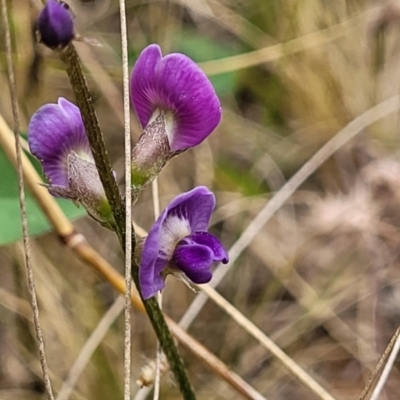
x=177, y=108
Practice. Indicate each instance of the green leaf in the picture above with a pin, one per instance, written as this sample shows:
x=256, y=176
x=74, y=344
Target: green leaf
x=10, y=219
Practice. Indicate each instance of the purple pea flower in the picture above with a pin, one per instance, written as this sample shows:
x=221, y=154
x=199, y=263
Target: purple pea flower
x=176, y=105
x=57, y=137
x=179, y=243
x=55, y=24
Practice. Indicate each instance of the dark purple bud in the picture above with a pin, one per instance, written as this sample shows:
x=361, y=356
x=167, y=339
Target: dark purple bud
x=55, y=24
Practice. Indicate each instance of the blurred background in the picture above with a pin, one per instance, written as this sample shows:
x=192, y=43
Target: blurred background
x=322, y=276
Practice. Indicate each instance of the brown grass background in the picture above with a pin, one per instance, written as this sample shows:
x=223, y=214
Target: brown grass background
x=321, y=278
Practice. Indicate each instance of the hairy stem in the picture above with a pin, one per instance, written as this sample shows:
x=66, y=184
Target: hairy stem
x=84, y=101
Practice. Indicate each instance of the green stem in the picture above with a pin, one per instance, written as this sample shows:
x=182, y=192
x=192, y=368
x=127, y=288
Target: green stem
x=167, y=342
x=78, y=82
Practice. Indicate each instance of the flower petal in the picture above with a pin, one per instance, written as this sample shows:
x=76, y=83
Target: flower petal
x=209, y=240
x=54, y=131
x=152, y=261
x=152, y=281
x=55, y=25
x=175, y=83
x=187, y=213
x=195, y=261
x=144, y=85
x=196, y=206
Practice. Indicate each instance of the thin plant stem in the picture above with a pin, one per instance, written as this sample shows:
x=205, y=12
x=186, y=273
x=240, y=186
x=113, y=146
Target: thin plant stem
x=157, y=380
x=83, y=98
x=388, y=367
x=128, y=205
x=356, y=126
x=389, y=350
x=89, y=348
x=21, y=190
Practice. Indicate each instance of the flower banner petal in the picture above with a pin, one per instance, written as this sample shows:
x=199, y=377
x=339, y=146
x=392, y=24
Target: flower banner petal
x=53, y=131
x=175, y=85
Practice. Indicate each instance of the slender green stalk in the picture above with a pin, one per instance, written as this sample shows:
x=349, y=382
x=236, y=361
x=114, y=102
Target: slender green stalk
x=167, y=343
x=78, y=82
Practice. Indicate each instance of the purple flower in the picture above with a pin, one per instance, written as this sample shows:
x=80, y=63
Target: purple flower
x=176, y=106
x=57, y=137
x=179, y=243
x=55, y=24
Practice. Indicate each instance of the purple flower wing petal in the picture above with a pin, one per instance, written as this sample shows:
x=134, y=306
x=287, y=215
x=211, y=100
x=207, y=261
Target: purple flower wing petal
x=196, y=206
x=175, y=83
x=195, y=261
x=144, y=85
x=152, y=261
x=54, y=130
x=209, y=240
x=152, y=281
x=186, y=90
x=55, y=25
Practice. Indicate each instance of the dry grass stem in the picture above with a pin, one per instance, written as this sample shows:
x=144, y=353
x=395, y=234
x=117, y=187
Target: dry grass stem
x=255, y=332
x=277, y=51
x=128, y=204
x=77, y=243
x=356, y=126
x=388, y=367
x=21, y=189
x=390, y=350
x=89, y=348
x=159, y=352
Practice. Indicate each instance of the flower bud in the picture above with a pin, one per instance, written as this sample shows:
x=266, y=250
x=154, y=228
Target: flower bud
x=55, y=24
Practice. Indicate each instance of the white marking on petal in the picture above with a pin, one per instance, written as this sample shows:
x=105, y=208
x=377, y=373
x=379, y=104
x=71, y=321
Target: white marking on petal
x=154, y=116
x=170, y=125
x=174, y=229
x=82, y=153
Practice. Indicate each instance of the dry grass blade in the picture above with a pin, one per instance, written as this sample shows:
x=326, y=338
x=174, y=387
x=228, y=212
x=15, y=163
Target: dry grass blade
x=274, y=52
x=18, y=151
x=388, y=367
x=90, y=346
x=159, y=354
x=128, y=204
x=254, y=331
x=86, y=253
x=392, y=349
x=341, y=138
